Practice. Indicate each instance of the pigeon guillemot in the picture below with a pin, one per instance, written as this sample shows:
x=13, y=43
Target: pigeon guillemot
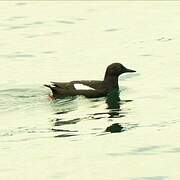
x=91, y=88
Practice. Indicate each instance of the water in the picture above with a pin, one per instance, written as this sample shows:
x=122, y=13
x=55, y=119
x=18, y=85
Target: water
x=61, y=41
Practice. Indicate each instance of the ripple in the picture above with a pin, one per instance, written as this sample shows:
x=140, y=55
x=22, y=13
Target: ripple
x=163, y=39
x=111, y=114
x=18, y=27
x=48, y=52
x=111, y=30
x=21, y=3
x=173, y=150
x=17, y=56
x=60, y=122
x=45, y=34
x=65, y=22
x=151, y=178
x=38, y=22
x=23, y=131
x=64, y=106
x=80, y=19
x=146, y=150
x=16, y=17
x=20, y=92
x=146, y=55
x=27, y=134
x=20, y=98
x=59, y=132
x=62, y=130
x=65, y=135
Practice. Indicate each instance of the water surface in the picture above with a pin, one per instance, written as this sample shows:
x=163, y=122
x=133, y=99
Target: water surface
x=66, y=139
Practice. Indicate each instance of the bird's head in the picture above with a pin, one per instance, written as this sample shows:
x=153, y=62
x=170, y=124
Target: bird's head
x=117, y=69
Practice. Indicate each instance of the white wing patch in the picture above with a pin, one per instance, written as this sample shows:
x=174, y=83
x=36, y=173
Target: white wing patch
x=79, y=86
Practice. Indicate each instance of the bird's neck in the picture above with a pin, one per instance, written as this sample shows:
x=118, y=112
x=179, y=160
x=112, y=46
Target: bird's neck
x=111, y=82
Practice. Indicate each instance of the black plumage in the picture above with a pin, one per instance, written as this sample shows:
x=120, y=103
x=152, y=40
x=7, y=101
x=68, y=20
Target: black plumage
x=96, y=88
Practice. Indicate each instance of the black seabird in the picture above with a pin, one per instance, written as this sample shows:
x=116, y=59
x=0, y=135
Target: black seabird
x=91, y=88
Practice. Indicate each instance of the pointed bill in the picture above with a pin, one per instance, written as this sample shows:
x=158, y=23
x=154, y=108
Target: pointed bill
x=129, y=70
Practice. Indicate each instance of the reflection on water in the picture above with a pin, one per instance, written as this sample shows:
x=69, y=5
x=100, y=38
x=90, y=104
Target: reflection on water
x=68, y=113
x=114, y=128
x=113, y=100
x=60, y=122
x=113, y=104
x=65, y=135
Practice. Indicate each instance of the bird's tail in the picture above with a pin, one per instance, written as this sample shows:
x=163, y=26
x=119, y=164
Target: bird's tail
x=53, y=89
x=49, y=86
x=51, y=97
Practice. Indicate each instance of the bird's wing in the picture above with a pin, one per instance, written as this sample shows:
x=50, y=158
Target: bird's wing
x=79, y=85
x=63, y=85
x=88, y=85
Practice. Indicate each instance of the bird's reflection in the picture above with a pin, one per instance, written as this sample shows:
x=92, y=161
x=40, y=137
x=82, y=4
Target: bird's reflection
x=64, y=133
x=113, y=104
x=113, y=100
x=61, y=122
x=113, y=107
x=66, y=111
x=115, y=128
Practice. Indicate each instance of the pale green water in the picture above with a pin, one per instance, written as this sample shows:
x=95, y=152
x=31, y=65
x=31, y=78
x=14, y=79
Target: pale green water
x=61, y=41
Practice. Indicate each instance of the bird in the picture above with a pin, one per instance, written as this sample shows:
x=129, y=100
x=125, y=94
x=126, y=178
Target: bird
x=90, y=88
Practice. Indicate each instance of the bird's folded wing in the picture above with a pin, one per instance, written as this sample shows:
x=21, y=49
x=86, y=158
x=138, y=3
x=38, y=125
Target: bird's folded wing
x=63, y=85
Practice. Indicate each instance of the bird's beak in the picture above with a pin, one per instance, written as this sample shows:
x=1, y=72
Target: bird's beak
x=129, y=70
